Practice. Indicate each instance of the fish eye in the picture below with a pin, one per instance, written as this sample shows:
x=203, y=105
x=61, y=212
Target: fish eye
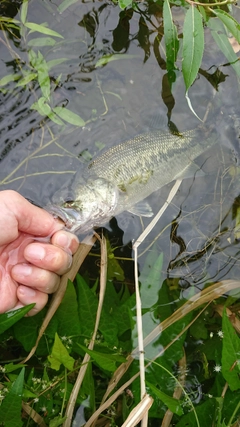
x=68, y=203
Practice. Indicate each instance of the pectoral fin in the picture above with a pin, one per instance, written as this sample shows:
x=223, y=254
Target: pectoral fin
x=142, y=209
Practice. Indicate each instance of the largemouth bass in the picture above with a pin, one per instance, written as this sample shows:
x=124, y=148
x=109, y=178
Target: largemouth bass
x=122, y=177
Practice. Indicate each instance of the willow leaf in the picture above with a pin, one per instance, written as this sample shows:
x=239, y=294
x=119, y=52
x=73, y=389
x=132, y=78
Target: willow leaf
x=232, y=25
x=52, y=116
x=9, y=78
x=65, y=4
x=25, y=80
x=113, y=57
x=54, y=62
x=41, y=29
x=43, y=76
x=69, y=116
x=217, y=31
x=170, y=36
x=6, y=19
x=41, y=106
x=24, y=10
x=193, y=45
x=42, y=41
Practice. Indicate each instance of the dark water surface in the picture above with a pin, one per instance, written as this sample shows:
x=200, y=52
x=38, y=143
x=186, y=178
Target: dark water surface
x=125, y=97
x=118, y=100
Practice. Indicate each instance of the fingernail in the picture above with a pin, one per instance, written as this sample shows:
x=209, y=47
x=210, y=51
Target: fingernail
x=35, y=251
x=22, y=270
x=27, y=292
x=69, y=262
x=62, y=240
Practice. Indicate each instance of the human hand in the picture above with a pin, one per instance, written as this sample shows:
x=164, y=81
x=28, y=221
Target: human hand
x=34, y=253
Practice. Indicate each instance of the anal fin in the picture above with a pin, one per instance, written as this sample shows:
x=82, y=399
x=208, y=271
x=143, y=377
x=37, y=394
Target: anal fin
x=142, y=209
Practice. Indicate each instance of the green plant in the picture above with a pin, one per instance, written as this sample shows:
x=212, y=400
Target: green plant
x=35, y=69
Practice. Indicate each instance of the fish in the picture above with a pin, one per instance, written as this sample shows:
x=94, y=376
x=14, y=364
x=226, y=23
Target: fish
x=122, y=177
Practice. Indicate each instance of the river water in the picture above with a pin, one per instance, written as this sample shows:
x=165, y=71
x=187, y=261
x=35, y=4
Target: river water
x=128, y=95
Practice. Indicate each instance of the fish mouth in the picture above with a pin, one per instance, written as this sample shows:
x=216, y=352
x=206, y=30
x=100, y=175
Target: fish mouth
x=69, y=216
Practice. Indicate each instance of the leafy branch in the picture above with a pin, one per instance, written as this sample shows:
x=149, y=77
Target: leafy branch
x=36, y=68
x=191, y=43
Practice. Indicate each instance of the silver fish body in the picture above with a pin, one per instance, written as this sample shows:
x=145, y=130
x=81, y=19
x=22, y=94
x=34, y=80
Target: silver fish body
x=126, y=174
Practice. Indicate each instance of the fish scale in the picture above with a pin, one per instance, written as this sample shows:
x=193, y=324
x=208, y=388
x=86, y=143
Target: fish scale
x=158, y=155
x=126, y=174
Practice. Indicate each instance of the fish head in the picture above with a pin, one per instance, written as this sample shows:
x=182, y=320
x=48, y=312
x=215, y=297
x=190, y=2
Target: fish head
x=91, y=205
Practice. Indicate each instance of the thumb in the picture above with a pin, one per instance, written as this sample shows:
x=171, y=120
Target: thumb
x=30, y=219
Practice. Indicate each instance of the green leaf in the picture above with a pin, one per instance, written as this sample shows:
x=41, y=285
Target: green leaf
x=32, y=57
x=232, y=25
x=67, y=313
x=89, y=386
x=104, y=360
x=52, y=116
x=170, y=402
x=42, y=41
x=218, y=34
x=198, y=329
x=150, y=279
x=202, y=10
x=57, y=421
x=25, y=80
x=8, y=319
x=41, y=29
x=124, y=3
x=113, y=57
x=237, y=224
x=69, y=116
x=87, y=309
x=193, y=45
x=230, y=354
x=26, y=332
x=11, y=408
x=11, y=367
x=206, y=415
x=170, y=36
x=114, y=270
x=45, y=110
x=41, y=106
x=59, y=355
x=24, y=10
x=65, y=4
x=43, y=76
x=9, y=78
x=6, y=19
x=55, y=62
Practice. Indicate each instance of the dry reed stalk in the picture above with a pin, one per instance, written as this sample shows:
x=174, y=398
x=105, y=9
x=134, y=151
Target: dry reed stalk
x=33, y=414
x=86, y=359
x=139, y=240
x=139, y=413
